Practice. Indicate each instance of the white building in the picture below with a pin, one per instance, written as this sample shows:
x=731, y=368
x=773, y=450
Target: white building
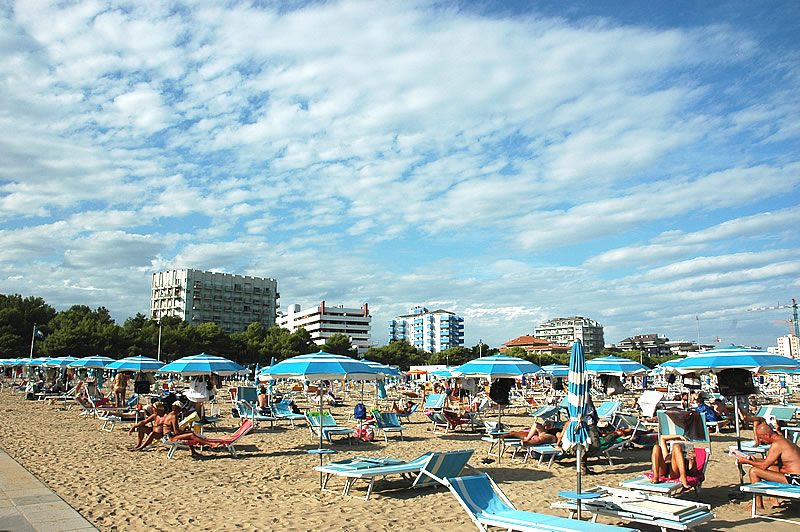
x=324, y=321
x=564, y=331
x=431, y=331
x=231, y=301
x=789, y=346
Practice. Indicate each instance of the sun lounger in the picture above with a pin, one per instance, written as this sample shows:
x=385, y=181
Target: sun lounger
x=656, y=510
x=387, y=422
x=542, y=452
x=228, y=442
x=282, y=410
x=771, y=489
x=428, y=469
x=407, y=415
x=329, y=426
x=488, y=506
x=249, y=411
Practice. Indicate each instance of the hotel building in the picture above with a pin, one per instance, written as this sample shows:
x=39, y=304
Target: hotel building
x=323, y=321
x=231, y=301
x=431, y=331
x=564, y=331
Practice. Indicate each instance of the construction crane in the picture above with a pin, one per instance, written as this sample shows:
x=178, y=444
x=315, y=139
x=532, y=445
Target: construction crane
x=793, y=306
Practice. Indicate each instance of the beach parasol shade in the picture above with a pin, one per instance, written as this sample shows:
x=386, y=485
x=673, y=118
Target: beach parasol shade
x=322, y=366
x=447, y=373
x=497, y=366
x=94, y=361
x=137, y=363
x=59, y=362
x=33, y=361
x=386, y=370
x=615, y=366
x=556, y=370
x=203, y=364
x=732, y=357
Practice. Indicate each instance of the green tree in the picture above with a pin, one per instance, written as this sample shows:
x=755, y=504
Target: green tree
x=17, y=318
x=454, y=356
x=398, y=353
x=211, y=339
x=340, y=344
x=80, y=332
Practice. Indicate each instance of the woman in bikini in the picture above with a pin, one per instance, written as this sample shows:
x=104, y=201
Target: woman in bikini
x=173, y=432
x=158, y=425
x=673, y=463
x=144, y=426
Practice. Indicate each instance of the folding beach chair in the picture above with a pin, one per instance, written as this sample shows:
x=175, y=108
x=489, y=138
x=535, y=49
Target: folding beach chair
x=248, y=410
x=229, y=442
x=656, y=510
x=702, y=448
x=606, y=411
x=426, y=470
x=434, y=401
x=328, y=426
x=488, y=506
x=387, y=422
x=282, y=410
x=771, y=489
x=447, y=420
x=407, y=415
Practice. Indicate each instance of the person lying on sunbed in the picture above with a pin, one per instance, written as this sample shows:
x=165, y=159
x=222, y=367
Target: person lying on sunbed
x=782, y=463
x=539, y=434
x=673, y=462
x=172, y=430
x=401, y=410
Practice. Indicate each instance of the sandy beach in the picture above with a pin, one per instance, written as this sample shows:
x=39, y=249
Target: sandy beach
x=272, y=484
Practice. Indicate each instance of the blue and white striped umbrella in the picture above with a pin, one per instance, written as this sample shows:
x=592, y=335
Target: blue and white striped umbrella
x=447, y=373
x=322, y=366
x=59, y=362
x=497, y=366
x=33, y=361
x=576, y=433
x=94, y=361
x=615, y=366
x=137, y=363
x=556, y=370
x=386, y=370
x=203, y=364
x=716, y=360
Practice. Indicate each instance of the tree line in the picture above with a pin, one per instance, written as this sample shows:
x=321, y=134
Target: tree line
x=80, y=331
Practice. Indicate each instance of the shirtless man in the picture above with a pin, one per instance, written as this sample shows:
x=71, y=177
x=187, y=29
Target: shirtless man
x=781, y=451
x=673, y=463
x=262, y=401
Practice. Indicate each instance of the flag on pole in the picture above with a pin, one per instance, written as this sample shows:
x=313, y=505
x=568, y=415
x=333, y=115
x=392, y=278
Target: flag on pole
x=39, y=334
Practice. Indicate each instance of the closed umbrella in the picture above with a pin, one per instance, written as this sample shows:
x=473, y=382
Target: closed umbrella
x=576, y=433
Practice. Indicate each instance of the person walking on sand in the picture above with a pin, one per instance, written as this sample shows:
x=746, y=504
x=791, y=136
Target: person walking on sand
x=782, y=463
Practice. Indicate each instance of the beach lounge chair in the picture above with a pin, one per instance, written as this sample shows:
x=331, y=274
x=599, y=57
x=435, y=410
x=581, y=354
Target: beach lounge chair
x=447, y=420
x=434, y=401
x=656, y=510
x=428, y=469
x=542, y=452
x=553, y=413
x=282, y=410
x=329, y=427
x=228, y=442
x=248, y=410
x=387, y=422
x=771, y=489
x=407, y=415
x=702, y=448
x=783, y=413
x=488, y=506
x=606, y=411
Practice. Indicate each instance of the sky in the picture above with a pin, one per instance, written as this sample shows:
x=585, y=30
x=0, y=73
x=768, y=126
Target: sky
x=635, y=163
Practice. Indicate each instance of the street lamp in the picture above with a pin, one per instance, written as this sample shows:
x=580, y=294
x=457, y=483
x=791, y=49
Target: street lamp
x=159, y=339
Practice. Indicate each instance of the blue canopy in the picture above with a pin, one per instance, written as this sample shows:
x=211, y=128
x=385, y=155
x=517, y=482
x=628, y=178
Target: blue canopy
x=59, y=362
x=137, y=363
x=94, y=361
x=615, y=366
x=556, y=370
x=203, y=364
x=497, y=366
x=322, y=366
x=716, y=360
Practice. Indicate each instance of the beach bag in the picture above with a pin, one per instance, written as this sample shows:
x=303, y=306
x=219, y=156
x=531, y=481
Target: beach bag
x=360, y=412
x=365, y=433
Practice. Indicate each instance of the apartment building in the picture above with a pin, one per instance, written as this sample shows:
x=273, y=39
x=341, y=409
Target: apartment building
x=431, y=331
x=231, y=301
x=323, y=321
x=564, y=331
x=652, y=344
x=789, y=346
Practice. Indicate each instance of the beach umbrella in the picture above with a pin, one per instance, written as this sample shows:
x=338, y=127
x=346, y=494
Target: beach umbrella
x=732, y=357
x=94, y=361
x=612, y=365
x=33, y=361
x=203, y=364
x=556, y=370
x=446, y=373
x=59, y=362
x=496, y=367
x=322, y=366
x=137, y=363
x=576, y=433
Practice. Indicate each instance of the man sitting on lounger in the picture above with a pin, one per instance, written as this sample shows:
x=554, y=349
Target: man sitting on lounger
x=782, y=463
x=673, y=463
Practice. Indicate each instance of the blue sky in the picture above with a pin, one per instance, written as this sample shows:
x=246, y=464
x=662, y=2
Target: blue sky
x=509, y=161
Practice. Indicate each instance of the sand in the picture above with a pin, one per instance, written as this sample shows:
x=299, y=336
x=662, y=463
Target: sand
x=272, y=484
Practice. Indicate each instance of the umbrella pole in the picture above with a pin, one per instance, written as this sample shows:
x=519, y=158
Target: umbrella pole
x=738, y=437
x=578, y=467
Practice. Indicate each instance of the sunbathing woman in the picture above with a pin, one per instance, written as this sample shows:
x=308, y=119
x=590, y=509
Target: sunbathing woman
x=404, y=410
x=673, y=463
x=172, y=430
x=144, y=425
x=157, y=431
x=539, y=434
